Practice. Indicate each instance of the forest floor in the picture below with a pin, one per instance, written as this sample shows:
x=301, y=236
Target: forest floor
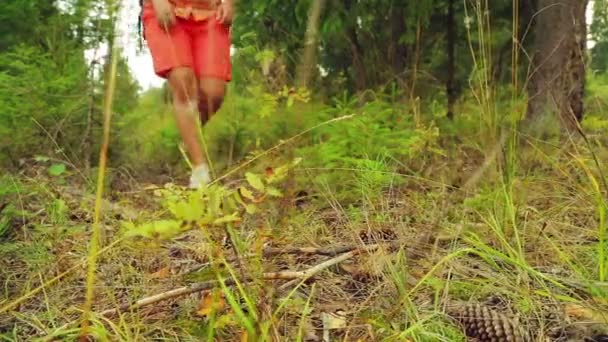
x=530, y=251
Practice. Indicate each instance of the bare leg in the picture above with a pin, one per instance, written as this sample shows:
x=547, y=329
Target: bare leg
x=185, y=99
x=212, y=92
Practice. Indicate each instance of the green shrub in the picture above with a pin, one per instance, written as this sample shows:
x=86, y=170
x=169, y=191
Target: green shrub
x=363, y=153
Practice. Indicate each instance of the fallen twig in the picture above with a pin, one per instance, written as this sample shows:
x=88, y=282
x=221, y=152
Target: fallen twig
x=328, y=251
x=316, y=269
x=294, y=276
x=274, y=251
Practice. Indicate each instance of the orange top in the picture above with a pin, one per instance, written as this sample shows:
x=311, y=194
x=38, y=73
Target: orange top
x=197, y=9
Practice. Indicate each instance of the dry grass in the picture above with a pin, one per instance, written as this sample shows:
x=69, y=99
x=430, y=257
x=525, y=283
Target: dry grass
x=530, y=250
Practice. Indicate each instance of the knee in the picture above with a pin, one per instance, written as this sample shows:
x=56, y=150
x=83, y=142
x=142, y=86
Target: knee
x=183, y=86
x=214, y=96
x=211, y=101
x=212, y=93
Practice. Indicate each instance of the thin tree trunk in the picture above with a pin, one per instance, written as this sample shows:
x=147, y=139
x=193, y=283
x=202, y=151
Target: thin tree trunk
x=416, y=60
x=557, y=82
x=87, y=138
x=451, y=46
x=308, y=64
x=356, y=49
x=359, y=67
x=397, y=50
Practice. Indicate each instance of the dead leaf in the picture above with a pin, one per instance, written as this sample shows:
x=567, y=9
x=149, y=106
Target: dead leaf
x=332, y=321
x=150, y=186
x=579, y=312
x=212, y=301
x=163, y=273
x=310, y=334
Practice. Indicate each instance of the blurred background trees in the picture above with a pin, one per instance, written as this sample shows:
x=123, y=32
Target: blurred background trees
x=439, y=54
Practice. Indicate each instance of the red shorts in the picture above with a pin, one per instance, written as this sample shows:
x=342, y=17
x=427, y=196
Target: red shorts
x=203, y=46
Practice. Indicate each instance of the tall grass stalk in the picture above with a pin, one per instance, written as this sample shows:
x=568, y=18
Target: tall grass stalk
x=96, y=234
x=305, y=314
x=511, y=158
x=482, y=58
x=602, y=246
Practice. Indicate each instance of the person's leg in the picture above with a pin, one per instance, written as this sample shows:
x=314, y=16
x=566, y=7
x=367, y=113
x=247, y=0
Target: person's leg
x=173, y=59
x=211, y=97
x=212, y=65
x=184, y=90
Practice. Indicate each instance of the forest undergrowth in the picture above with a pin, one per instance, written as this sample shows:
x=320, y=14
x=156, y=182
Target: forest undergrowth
x=371, y=225
x=398, y=196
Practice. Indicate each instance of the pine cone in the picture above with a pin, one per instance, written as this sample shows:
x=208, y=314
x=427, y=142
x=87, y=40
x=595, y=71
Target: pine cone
x=486, y=325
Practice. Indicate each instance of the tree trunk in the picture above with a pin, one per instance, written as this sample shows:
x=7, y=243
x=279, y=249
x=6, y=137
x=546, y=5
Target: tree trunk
x=356, y=49
x=359, y=67
x=557, y=82
x=397, y=49
x=87, y=137
x=307, y=66
x=450, y=88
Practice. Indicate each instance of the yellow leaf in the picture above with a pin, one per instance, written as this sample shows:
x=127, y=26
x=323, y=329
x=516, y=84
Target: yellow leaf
x=150, y=187
x=333, y=321
x=246, y=193
x=212, y=301
x=579, y=312
x=163, y=273
x=251, y=209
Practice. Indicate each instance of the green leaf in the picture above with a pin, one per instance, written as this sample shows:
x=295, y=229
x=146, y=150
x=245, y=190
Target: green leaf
x=57, y=169
x=4, y=225
x=255, y=181
x=228, y=218
x=163, y=229
x=230, y=203
x=274, y=192
x=215, y=202
x=239, y=198
x=246, y=193
x=251, y=209
x=226, y=320
x=41, y=159
x=191, y=210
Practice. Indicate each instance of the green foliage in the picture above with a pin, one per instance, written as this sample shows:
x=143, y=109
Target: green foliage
x=596, y=102
x=8, y=190
x=599, y=35
x=50, y=93
x=57, y=169
x=58, y=211
x=36, y=94
x=352, y=147
x=371, y=43
x=146, y=139
x=23, y=21
x=210, y=207
x=365, y=152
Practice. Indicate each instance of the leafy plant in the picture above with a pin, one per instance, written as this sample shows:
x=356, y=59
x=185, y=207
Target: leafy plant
x=214, y=206
x=366, y=151
x=57, y=169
